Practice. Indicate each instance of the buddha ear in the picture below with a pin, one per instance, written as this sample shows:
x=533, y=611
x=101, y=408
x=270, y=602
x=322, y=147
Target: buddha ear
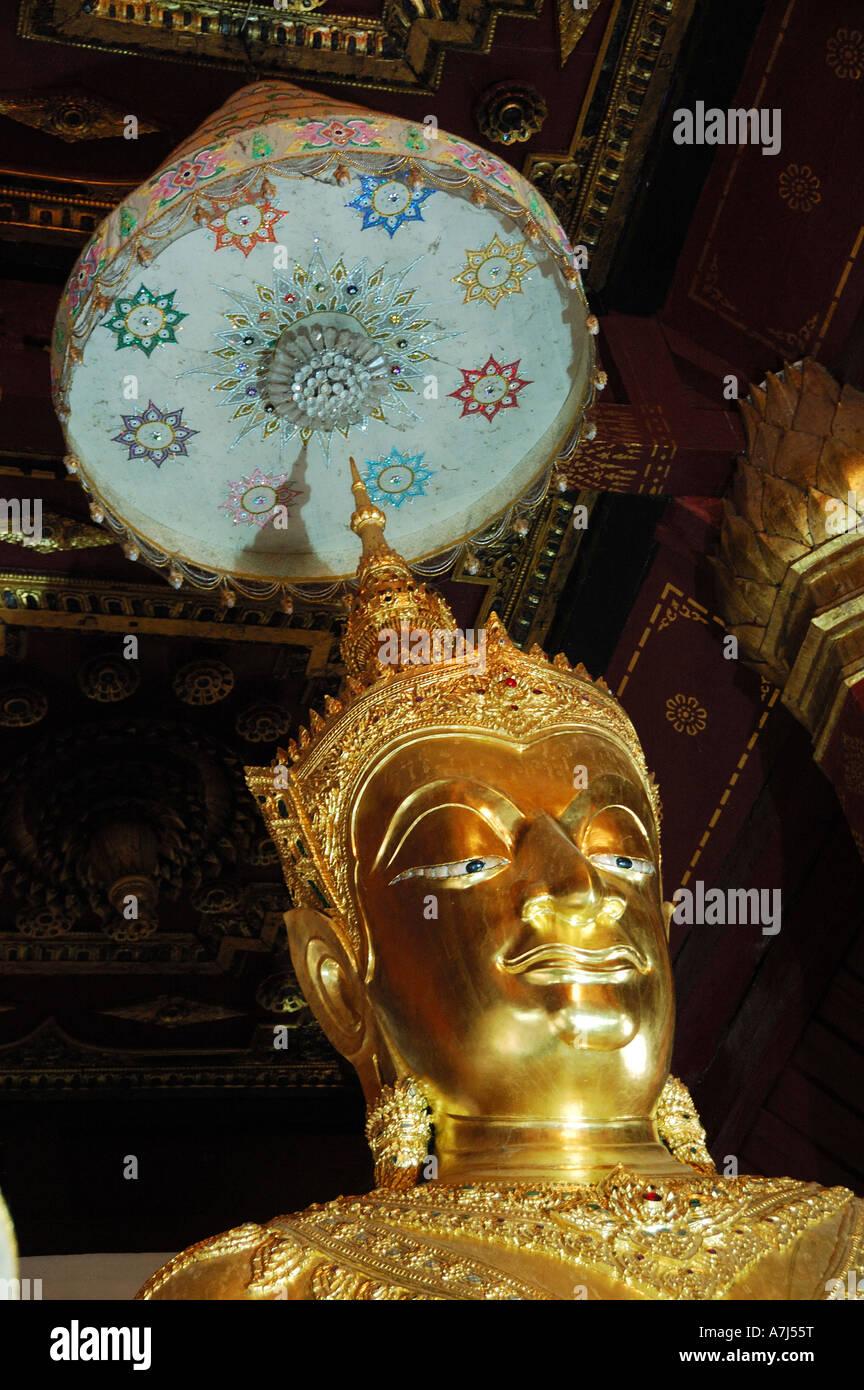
x=328, y=976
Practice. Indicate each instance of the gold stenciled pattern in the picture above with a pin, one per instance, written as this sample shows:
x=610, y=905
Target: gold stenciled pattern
x=685, y=714
x=799, y=187
x=845, y=54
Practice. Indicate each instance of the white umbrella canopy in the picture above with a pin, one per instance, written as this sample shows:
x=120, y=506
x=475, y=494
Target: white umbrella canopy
x=8, y=1255
x=305, y=281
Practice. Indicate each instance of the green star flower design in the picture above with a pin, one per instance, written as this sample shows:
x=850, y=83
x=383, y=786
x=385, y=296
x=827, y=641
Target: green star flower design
x=145, y=320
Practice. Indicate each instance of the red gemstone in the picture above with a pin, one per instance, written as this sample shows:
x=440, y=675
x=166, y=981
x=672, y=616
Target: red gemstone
x=288, y=298
x=651, y=1196
x=510, y=680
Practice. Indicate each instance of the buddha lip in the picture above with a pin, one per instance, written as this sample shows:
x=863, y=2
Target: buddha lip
x=558, y=955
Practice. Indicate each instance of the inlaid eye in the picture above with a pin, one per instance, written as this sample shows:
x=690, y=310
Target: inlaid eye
x=464, y=869
x=623, y=864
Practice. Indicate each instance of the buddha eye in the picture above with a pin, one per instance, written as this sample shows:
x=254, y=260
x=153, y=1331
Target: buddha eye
x=463, y=869
x=623, y=864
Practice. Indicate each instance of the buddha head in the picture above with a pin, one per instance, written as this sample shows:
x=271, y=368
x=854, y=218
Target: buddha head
x=474, y=857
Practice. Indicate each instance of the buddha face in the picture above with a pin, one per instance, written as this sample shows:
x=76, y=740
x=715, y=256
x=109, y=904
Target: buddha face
x=512, y=898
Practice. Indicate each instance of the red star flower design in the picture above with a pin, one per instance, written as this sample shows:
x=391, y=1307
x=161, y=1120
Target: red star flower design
x=486, y=390
x=243, y=224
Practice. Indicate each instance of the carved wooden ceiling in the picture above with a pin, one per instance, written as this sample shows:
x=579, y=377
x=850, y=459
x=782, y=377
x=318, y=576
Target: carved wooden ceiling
x=119, y=770
x=571, y=92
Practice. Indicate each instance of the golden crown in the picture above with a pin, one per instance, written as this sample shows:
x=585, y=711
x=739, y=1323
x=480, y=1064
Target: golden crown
x=396, y=688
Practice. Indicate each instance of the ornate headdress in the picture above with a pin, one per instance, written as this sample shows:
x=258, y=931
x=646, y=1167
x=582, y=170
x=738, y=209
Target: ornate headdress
x=307, y=794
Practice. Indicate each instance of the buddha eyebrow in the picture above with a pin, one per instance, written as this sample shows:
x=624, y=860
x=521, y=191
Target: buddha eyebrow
x=473, y=796
x=582, y=802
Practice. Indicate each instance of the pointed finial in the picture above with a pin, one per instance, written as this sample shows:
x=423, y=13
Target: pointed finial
x=367, y=520
x=387, y=597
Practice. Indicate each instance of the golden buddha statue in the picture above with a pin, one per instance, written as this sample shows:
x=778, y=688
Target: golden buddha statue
x=473, y=848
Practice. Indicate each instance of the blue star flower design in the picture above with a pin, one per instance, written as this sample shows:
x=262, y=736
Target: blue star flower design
x=396, y=479
x=388, y=202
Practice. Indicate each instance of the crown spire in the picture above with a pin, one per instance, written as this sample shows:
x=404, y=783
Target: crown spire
x=388, y=598
x=367, y=520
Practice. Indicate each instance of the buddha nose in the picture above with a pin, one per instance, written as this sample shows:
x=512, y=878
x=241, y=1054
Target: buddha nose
x=562, y=883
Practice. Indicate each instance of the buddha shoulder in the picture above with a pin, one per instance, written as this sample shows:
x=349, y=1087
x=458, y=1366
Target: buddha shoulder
x=353, y=1248
x=249, y=1262
x=695, y=1237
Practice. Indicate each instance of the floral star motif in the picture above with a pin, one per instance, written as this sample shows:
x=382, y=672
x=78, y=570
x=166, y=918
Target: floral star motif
x=145, y=319
x=378, y=304
x=494, y=272
x=396, y=479
x=478, y=162
x=799, y=187
x=242, y=224
x=254, y=500
x=186, y=175
x=341, y=133
x=155, y=434
x=80, y=283
x=685, y=714
x=389, y=202
x=845, y=53
x=486, y=390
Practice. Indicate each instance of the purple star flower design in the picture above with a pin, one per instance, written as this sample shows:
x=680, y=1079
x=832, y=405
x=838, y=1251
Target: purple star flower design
x=156, y=434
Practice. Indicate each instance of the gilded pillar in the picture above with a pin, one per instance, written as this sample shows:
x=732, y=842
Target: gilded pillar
x=791, y=566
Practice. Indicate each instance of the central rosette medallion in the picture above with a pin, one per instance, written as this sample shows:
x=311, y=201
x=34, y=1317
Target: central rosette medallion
x=327, y=375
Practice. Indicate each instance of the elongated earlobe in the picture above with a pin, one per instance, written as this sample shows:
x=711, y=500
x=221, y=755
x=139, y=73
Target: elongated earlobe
x=328, y=977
